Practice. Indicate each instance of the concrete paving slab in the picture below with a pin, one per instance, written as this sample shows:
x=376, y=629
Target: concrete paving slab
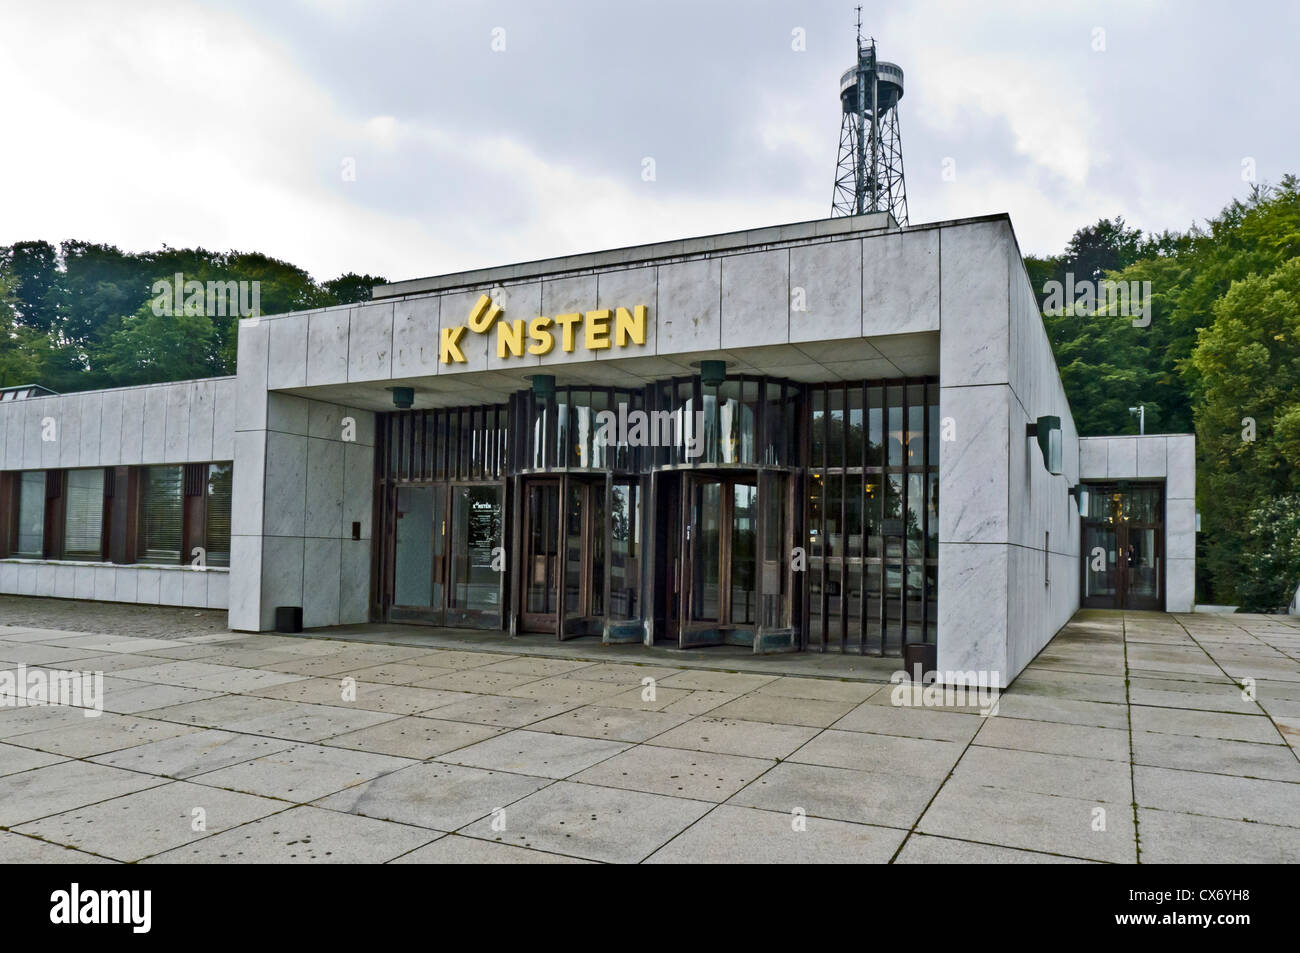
x=750, y=739
x=304, y=772
x=108, y=732
x=131, y=701
x=302, y=835
x=862, y=797
x=676, y=772
x=17, y=849
x=822, y=689
x=535, y=753
x=595, y=823
x=784, y=710
x=614, y=724
x=911, y=722
x=927, y=849
x=195, y=753
x=1275, y=762
x=1029, y=821
x=562, y=688
x=476, y=681
x=222, y=711
x=861, y=751
x=501, y=710
x=134, y=826
x=14, y=759
x=455, y=849
x=1058, y=774
x=737, y=682
x=1083, y=741
x=1065, y=711
x=311, y=722
x=411, y=737
x=1174, y=838
x=60, y=787
x=1217, y=795
x=1205, y=724
x=731, y=835
x=442, y=797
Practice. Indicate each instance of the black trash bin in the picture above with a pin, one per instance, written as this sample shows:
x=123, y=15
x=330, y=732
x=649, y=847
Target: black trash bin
x=288, y=618
x=922, y=657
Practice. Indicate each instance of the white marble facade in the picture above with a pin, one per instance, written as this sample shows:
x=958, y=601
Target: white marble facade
x=838, y=299
x=1170, y=458
x=181, y=422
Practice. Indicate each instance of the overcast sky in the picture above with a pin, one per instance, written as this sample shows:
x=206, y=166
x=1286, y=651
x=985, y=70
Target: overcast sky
x=232, y=124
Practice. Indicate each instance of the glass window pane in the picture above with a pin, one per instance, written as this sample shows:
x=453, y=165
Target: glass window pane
x=835, y=427
x=933, y=440
x=706, y=556
x=543, y=541
x=748, y=421
x=915, y=426
x=413, y=559
x=772, y=489
x=818, y=427
x=894, y=434
x=162, y=503
x=932, y=506
x=625, y=555
x=744, y=539
x=31, y=515
x=476, y=532
x=83, y=523
x=875, y=427
x=217, y=531
x=853, y=427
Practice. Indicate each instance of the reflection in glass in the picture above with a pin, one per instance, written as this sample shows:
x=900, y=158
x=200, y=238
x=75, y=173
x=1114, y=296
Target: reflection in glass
x=706, y=558
x=413, y=561
x=625, y=551
x=475, y=533
x=744, y=543
x=31, y=514
x=542, y=596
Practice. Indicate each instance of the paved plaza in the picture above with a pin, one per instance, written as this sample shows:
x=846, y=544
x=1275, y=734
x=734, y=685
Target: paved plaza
x=1132, y=737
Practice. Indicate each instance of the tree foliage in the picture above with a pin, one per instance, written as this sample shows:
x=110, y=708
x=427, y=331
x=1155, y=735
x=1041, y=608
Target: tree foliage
x=1223, y=345
x=80, y=316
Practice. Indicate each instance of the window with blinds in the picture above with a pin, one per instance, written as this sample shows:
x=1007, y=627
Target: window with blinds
x=83, y=523
x=31, y=515
x=162, y=514
x=217, y=531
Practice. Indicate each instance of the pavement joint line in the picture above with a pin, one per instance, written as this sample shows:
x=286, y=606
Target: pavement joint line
x=1132, y=770
x=1192, y=681
x=1258, y=704
x=942, y=784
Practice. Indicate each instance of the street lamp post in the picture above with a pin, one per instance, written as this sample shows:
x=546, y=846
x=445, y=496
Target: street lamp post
x=1141, y=411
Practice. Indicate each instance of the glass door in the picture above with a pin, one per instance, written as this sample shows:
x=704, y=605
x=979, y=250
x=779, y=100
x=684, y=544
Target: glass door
x=1123, y=547
x=585, y=527
x=419, y=547
x=477, y=558
x=541, y=564
x=720, y=597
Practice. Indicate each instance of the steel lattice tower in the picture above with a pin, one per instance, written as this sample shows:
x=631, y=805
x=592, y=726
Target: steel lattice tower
x=869, y=174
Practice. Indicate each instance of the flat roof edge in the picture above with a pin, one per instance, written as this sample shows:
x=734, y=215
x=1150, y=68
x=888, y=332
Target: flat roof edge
x=634, y=254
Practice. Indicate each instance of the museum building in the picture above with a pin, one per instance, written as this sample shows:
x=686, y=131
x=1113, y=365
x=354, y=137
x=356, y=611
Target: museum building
x=834, y=436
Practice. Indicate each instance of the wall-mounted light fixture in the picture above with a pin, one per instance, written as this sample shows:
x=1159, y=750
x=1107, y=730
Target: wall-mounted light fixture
x=403, y=397
x=1080, y=495
x=543, y=385
x=1048, y=431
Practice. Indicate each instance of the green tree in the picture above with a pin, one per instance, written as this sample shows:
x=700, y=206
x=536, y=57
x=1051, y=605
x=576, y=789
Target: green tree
x=1270, y=571
x=1248, y=419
